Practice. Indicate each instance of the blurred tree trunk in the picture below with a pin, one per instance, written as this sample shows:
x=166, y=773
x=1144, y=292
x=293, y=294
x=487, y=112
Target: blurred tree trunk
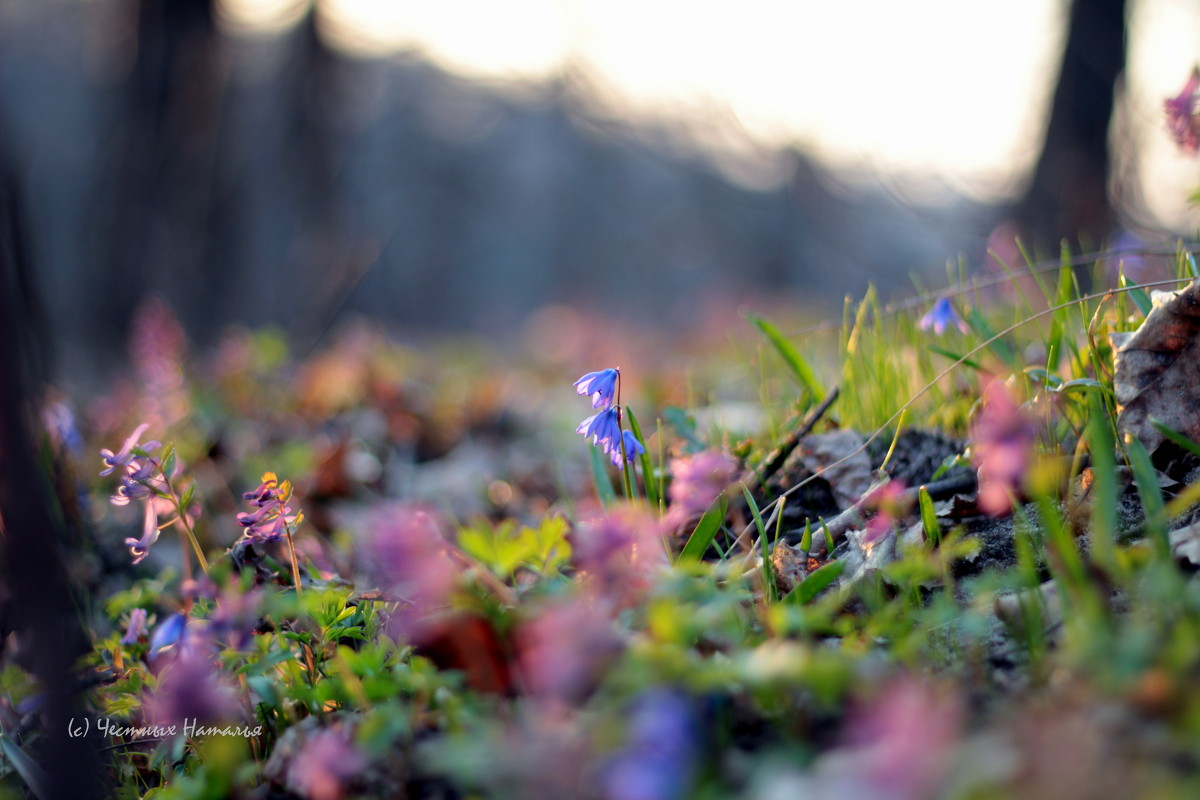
x=317, y=249
x=160, y=185
x=36, y=600
x=1068, y=197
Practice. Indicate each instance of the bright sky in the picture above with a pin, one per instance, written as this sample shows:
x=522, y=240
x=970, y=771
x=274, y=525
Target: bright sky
x=954, y=88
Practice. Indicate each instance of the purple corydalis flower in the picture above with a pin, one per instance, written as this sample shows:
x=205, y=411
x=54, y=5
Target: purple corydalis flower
x=564, y=651
x=901, y=742
x=136, y=628
x=942, y=316
x=138, y=483
x=1001, y=447
x=324, y=764
x=268, y=523
x=190, y=688
x=600, y=385
x=1182, y=118
x=696, y=481
x=236, y=616
x=272, y=519
x=266, y=493
x=620, y=553
x=408, y=555
x=604, y=429
x=633, y=449
x=889, y=505
x=126, y=457
x=139, y=548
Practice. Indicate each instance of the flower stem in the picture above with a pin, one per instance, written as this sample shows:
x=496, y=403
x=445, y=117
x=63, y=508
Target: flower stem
x=626, y=464
x=287, y=529
x=182, y=519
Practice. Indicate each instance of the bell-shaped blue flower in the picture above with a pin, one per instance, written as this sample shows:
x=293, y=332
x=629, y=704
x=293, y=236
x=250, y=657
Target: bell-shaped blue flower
x=600, y=385
x=604, y=429
x=942, y=316
x=633, y=449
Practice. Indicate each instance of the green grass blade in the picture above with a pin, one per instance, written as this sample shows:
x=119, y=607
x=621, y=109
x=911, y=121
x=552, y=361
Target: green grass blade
x=1101, y=447
x=1139, y=296
x=802, y=373
x=1175, y=436
x=950, y=354
x=1146, y=479
x=819, y=579
x=604, y=487
x=706, y=530
x=1002, y=349
x=647, y=465
x=769, y=588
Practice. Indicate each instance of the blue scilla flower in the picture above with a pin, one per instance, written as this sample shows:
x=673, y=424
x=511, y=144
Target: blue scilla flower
x=600, y=385
x=169, y=632
x=604, y=429
x=633, y=449
x=942, y=316
x=660, y=750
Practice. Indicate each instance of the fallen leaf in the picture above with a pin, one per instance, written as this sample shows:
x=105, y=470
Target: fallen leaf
x=790, y=564
x=849, y=480
x=1157, y=369
x=1185, y=543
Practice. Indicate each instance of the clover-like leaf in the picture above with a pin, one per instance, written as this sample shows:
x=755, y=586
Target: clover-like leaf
x=1157, y=369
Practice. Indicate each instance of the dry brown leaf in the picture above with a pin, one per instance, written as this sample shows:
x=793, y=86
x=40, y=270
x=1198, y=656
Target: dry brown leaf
x=850, y=479
x=1157, y=369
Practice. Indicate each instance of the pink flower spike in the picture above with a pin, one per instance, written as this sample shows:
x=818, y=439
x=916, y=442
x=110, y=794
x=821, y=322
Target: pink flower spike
x=125, y=455
x=327, y=762
x=1182, y=119
x=140, y=548
x=1001, y=447
x=888, y=502
x=696, y=481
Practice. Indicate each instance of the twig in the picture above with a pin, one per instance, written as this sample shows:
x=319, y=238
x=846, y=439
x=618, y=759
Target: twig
x=776, y=459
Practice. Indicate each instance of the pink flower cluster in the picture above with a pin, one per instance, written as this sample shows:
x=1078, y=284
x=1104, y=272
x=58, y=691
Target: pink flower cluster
x=1002, y=439
x=1183, y=115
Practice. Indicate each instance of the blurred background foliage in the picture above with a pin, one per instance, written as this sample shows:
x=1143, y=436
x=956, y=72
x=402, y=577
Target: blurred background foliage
x=272, y=163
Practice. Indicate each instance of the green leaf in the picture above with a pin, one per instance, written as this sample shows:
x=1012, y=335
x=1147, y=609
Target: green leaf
x=816, y=582
x=768, y=568
x=929, y=520
x=1138, y=296
x=802, y=373
x=169, y=461
x=1085, y=384
x=604, y=487
x=344, y=632
x=188, y=496
x=546, y=547
x=706, y=530
x=683, y=424
x=29, y=770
